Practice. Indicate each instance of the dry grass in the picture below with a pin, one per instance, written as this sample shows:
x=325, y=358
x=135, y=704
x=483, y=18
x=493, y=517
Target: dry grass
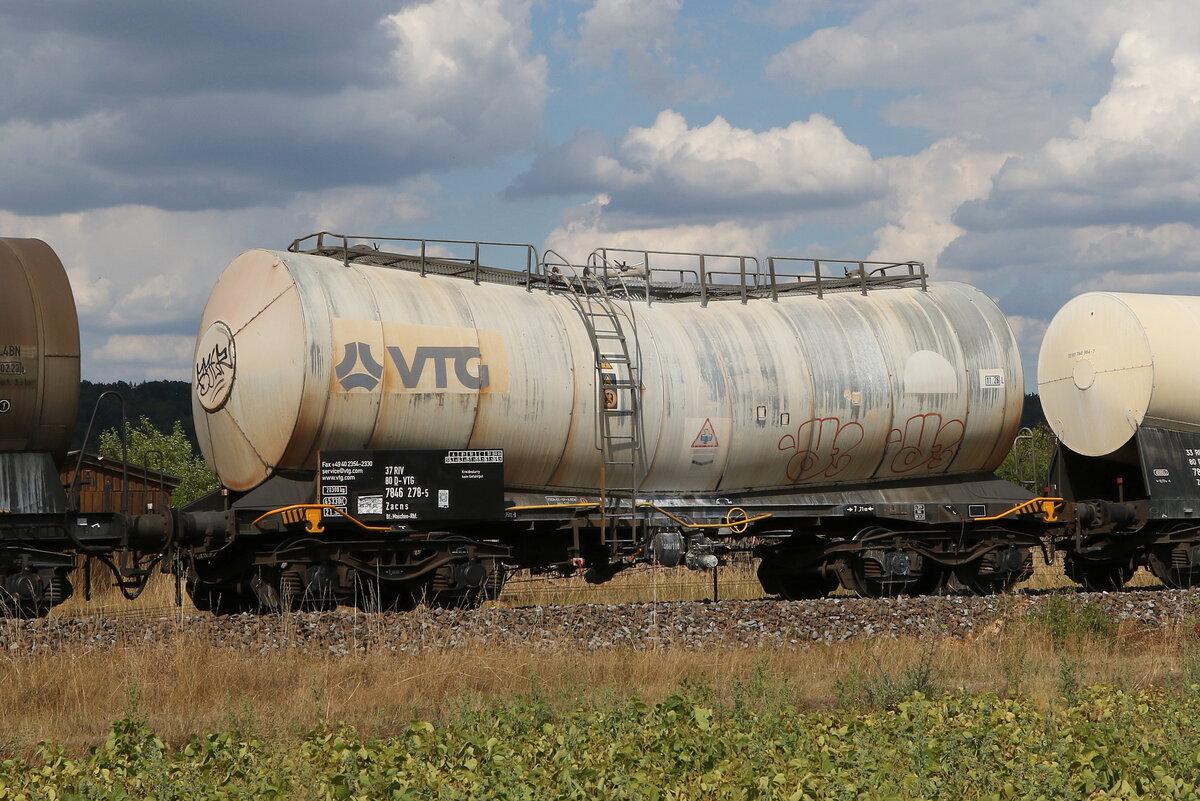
x=639, y=583
x=157, y=600
x=72, y=697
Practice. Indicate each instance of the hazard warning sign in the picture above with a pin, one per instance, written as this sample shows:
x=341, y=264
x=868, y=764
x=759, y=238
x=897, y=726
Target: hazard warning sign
x=707, y=438
x=611, y=401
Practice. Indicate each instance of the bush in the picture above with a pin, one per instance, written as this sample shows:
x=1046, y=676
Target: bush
x=877, y=687
x=171, y=453
x=1068, y=621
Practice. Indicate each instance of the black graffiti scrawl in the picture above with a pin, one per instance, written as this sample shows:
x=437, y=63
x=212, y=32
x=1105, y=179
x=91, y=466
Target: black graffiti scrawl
x=213, y=371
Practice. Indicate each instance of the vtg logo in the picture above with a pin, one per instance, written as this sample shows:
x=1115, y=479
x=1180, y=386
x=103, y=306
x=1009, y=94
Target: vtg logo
x=358, y=368
x=368, y=372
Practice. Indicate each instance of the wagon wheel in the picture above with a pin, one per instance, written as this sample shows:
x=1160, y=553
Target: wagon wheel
x=932, y=580
x=484, y=579
x=373, y=595
x=22, y=608
x=1159, y=560
x=885, y=572
x=290, y=592
x=969, y=575
x=996, y=571
x=1097, y=576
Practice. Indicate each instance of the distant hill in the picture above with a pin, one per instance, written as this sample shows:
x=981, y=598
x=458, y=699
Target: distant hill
x=161, y=402
x=1031, y=415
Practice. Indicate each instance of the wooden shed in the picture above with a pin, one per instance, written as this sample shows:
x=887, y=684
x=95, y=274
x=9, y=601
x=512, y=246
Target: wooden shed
x=101, y=486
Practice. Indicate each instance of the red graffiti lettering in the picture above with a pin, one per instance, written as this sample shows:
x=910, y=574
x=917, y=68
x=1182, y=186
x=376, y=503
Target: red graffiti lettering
x=829, y=446
x=925, y=442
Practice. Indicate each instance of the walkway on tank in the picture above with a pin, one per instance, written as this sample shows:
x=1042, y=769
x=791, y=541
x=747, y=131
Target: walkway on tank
x=651, y=275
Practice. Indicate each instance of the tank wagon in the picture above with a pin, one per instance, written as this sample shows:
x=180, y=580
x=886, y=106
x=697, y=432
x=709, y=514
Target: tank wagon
x=396, y=423
x=1118, y=385
x=40, y=531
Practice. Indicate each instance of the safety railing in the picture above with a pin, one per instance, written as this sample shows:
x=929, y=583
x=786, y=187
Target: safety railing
x=716, y=275
x=683, y=274
x=431, y=255
x=652, y=275
x=818, y=276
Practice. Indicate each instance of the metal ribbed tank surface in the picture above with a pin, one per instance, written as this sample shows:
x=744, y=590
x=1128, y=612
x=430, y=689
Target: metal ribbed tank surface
x=299, y=353
x=1111, y=362
x=39, y=350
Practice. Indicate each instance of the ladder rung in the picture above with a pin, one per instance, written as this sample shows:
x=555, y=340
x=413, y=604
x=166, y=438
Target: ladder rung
x=620, y=384
x=613, y=358
x=609, y=335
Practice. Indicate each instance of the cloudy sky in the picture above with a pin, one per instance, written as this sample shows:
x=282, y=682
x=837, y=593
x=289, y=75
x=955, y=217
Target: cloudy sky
x=1035, y=149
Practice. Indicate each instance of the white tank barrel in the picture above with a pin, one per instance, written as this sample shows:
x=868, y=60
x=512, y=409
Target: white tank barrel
x=299, y=353
x=1112, y=361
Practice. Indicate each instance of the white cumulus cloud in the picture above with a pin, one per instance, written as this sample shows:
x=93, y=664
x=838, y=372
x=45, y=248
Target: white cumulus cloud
x=924, y=192
x=642, y=29
x=670, y=170
x=244, y=119
x=1134, y=160
x=586, y=228
x=1010, y=72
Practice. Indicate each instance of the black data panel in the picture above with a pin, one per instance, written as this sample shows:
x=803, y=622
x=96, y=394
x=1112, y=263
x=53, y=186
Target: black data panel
x=406, y=487
x=1171, y=462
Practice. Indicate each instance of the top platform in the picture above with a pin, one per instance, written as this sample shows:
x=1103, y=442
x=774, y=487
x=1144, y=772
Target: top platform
x=651, y=275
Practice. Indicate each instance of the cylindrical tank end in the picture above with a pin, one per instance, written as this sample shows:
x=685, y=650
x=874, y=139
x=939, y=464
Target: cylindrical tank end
x=39, y=350
x=1112, y=362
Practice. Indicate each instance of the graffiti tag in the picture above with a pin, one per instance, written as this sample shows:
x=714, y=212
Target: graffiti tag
x=828, y=448
x=212, y=371
x=926, y=441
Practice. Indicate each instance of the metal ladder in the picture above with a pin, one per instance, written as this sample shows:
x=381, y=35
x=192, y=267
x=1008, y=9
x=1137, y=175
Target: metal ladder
x=618, y=409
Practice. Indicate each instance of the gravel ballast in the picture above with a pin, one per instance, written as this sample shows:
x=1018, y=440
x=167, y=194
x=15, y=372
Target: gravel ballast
x=685, y=624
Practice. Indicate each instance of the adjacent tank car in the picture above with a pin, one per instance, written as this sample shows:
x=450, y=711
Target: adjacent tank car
x=1119, y=385
x=41, y=531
